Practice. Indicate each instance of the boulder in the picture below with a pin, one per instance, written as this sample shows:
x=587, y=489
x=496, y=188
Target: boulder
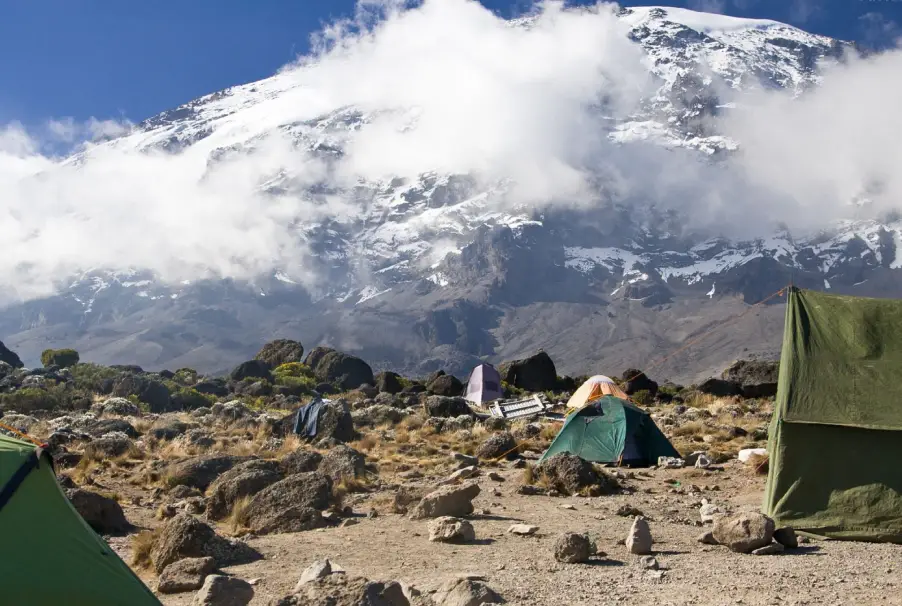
x=109, y=447
x=496, y=446
x=102, y=513
x=756, y=378
x=639, y=540
x=281, y=351
x=101, y=427
x=345, y=590
x=219, y=590
x=454, y=500
x=343, y=462
x=290, y=505
x=442, y=406
x=243, y=480
x=120, y=407
x=636, y=381
x=150, y=391
x=377, y=414
x=9, y=357
x=786, y=537
x=447, y=529
x=572, y=548
x=389, y=382
x=334, y=422
x=252, y=369
x=167, y=429
x=344, y=371
x=466, y=592
x=446, y=385
x=184, y=536
x=315, y=355
x=536, y=373
x=745, y=532
x=212, y=387
x=569, y=474
x=200, y=471
x=185, y=575
x=300, y=461
x=719, y=388
x=318, y=570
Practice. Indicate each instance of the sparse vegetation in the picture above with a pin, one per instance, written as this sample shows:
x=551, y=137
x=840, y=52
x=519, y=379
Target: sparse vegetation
x=142, y=545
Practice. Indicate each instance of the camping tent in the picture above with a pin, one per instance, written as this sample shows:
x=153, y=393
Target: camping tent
x=594, y=388
x=836, y=432
x=612, y=430
x=484, y=384
x=52, y=555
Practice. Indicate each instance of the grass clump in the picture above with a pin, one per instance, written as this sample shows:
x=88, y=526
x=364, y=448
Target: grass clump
x=142, y=545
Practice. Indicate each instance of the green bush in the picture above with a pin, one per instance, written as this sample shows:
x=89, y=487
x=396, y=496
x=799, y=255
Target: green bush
x=59, y=357
x=185, y=376
x=49, y=398
x=293, y=369
x=90, y=377
x=191, y=399
x=643, y=398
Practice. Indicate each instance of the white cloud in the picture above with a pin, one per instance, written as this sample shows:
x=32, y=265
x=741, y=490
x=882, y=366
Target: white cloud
x=483, y=98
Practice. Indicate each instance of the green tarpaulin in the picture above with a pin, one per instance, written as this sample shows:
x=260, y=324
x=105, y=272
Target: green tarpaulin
x=611, y=430
x=51, y=555
x=835, y=441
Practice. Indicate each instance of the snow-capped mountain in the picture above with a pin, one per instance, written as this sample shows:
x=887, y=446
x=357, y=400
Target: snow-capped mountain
x=436, y=271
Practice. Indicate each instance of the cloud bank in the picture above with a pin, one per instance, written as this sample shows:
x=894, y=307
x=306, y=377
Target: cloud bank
x=449, y=87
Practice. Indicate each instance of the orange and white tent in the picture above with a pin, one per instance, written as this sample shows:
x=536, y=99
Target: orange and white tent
x=593, y=388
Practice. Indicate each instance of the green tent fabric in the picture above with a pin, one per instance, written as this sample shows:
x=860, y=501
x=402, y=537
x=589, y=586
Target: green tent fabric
x=836, y=435
x=609, y=427
x=51, y=555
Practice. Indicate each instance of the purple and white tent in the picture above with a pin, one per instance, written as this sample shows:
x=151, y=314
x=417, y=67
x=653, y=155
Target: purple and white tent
x=484, y=384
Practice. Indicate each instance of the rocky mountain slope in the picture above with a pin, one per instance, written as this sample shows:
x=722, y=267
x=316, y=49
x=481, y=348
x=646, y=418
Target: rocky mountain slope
x=435, y=273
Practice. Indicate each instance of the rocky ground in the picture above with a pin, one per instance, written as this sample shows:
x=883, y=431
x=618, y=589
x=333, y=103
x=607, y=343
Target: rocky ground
x=408, y=497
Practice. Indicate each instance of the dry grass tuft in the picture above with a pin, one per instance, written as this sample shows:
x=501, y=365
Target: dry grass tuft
x=142, y=544
x=236, y=521
x=759, y=463
x=529, y=474
x=84, y=471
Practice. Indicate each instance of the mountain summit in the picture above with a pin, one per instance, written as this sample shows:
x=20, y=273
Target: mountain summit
x=435, y=270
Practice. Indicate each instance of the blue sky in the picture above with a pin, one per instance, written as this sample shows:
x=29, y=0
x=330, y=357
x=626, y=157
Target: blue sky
x=84, y=58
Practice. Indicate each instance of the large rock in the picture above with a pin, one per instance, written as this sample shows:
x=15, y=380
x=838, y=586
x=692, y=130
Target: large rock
x=454, y=500
x=496, y=446
x=281, y=351
x=389, y=382
x=466, y=592
x=243, y=480
x=219, y=590
x=10, y=357
x=184, y=536
x=345, y=590
x=300, y=461
x=344, y=371
x=252, y=369
x=442, y=406
x=569, y=474
x=100, y=427
x=745, y=532
x=447, y=529
x=572, y=548
x=119, y=406
x=446, y=385
x=719, y=388
x=343, y=462
x=150, y=391
x=635, y=381
x=535, y=373
x=167, y=429
x=290, y=505
x=756, y=378
x=378, y=414
x=334, y=422
x=109, y=447
x=200, y=471
x=102, y=513
x=185, y=575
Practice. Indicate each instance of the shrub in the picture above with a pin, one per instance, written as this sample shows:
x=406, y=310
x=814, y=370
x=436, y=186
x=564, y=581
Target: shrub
x=90, y=377
x=185, y=376
x=63, y=358
x=293, y=369
x=643, y=397
x=186, y=398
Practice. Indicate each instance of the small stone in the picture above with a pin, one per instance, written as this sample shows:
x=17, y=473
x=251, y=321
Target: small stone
x=707, y=538
x=709, y=512
x=772, y=549
x=572, y=548
x=649, y=562
x=495, y=476
x=447, y=529
x=464, y=460
x=639, y=540
x=628, y=511
x=568, y=506
x=372, y=513
x=803, y=540
x=317, y=570
x=466, y=592
x=349, y=522
x=786, y=537
x=219, y=590
x=745, y=532
x=523, y=529
x=464, y=473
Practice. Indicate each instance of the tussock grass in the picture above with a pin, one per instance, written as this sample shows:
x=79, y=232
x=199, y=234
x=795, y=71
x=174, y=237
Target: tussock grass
x=237, y=520
x=759, y=464
x=142, y=544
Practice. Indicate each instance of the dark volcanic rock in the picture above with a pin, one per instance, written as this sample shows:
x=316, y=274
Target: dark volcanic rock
x=343, y=462
x=344, y=371
x=497, y=445
x=570, y=474
x=719, y=388
x=756, y=378
x=243, y=480
x=9, y=356
x=440, y=406
x=281, y=351
x=635, y=381
x=389, y=382
x=102, y=513
x=150, y=391
x=201, y=471
x=446, y=385
x=291, y=505
x=252, y=369
x=184, y=536
x=536, y=373
x=300, y=461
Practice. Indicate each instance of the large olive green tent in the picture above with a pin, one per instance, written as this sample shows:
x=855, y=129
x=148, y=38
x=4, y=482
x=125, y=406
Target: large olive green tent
x=612, y=430
x=836, y=436
x=51, y=555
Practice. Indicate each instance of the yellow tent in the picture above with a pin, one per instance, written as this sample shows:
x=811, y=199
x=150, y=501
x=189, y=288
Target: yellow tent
x=593, y=388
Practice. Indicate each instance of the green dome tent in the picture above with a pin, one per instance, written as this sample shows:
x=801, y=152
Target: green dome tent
x=52, y=555
x=611, y=430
